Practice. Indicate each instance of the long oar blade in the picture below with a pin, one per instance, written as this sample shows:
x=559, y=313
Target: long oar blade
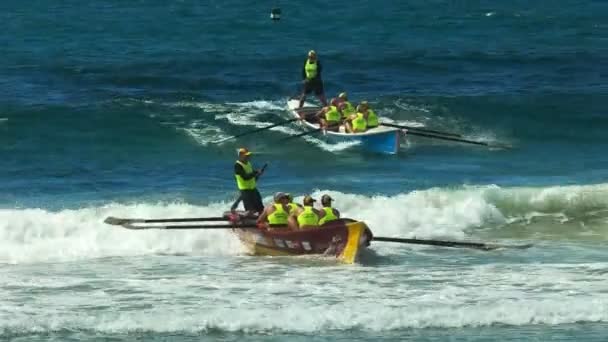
x=257, y=130
x=443, y=243
x=441, y=137
x=120, y=221
x=422, y=130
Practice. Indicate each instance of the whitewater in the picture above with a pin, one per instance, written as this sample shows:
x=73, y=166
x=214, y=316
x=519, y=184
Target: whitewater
x=88, y=277
x=569, y=214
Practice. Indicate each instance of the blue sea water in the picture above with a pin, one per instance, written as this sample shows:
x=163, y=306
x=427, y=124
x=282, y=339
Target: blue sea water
x=113, y=108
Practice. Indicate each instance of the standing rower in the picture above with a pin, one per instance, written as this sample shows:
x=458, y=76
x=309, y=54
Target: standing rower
x=246, y=178
x=312, y=81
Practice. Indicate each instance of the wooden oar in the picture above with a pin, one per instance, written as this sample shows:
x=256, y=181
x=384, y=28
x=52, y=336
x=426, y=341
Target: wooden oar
x=441, y=137
x=257, y=130
x=122, y=221
x=423, y=130
x=443, y=243
x=175, y=227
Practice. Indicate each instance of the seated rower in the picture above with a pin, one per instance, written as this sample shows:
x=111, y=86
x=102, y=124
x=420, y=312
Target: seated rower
x=330, y=117
x=275, y=216
x=357, y=123
x=372, y=118
x=306, y=217
x=291, y=204
x=328, y=213
x=348, y=109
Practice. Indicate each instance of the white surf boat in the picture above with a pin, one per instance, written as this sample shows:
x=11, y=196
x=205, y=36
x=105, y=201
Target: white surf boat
x=380, y=139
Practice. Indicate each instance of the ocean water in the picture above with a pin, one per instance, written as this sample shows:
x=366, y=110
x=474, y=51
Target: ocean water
x=114, y=108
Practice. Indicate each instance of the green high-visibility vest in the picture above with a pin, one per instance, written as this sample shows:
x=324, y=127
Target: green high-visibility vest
x=329, y=215
x=241, y=183
x=278, y=216
x=372, y=119
x=308, y=217
x=310, y=69
x=359, y=123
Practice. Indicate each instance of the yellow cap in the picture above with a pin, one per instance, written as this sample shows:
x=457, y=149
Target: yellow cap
x=244, y=151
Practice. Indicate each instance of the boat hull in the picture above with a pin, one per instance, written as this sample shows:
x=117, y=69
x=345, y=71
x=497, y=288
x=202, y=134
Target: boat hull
x=380, y=139
x=343, y=239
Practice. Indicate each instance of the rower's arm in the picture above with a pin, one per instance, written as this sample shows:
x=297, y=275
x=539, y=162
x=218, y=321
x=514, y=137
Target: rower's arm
x=292, y=223
x=263, y=217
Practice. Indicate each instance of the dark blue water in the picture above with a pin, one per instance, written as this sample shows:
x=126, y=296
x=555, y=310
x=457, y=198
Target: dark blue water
x=112, y=103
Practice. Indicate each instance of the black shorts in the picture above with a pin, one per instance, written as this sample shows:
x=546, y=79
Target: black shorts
x=252, y=200
x=315, y=85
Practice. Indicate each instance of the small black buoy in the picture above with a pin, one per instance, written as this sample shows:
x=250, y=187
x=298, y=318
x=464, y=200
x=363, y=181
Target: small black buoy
x=275, y=13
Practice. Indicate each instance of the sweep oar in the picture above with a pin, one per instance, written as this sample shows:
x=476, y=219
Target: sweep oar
x=122, y=221
x=441, y=137
x=422, y=130
x=443, y=243
x=257, y=130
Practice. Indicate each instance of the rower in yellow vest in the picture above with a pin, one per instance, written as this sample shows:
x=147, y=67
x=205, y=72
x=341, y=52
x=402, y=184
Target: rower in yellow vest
x=330, y=117
x=246, y=178
x=311, y=75
x=306, y=217
x=372, y=118
x=328, y=213
x=291, y=204
x=357, y=123
x=275, y=215
x=348, y=109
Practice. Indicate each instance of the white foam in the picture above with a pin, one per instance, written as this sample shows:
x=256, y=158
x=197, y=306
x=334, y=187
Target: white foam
x=35, y=235
x=410, y=108
x=261, y=104
x=297, y=299
x=213, y=287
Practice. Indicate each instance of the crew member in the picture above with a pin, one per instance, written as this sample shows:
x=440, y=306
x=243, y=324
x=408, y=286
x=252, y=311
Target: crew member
x=276, y=214
x=311, y=78
x=246, y=178
x=291, y=204
x=372, y=118
x=357, y=123
x=306, y=217
x=348, y=109
x=330, y=116
x=328, y=213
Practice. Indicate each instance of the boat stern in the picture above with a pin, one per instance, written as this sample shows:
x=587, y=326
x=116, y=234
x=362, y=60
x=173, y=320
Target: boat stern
x=358, y=237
